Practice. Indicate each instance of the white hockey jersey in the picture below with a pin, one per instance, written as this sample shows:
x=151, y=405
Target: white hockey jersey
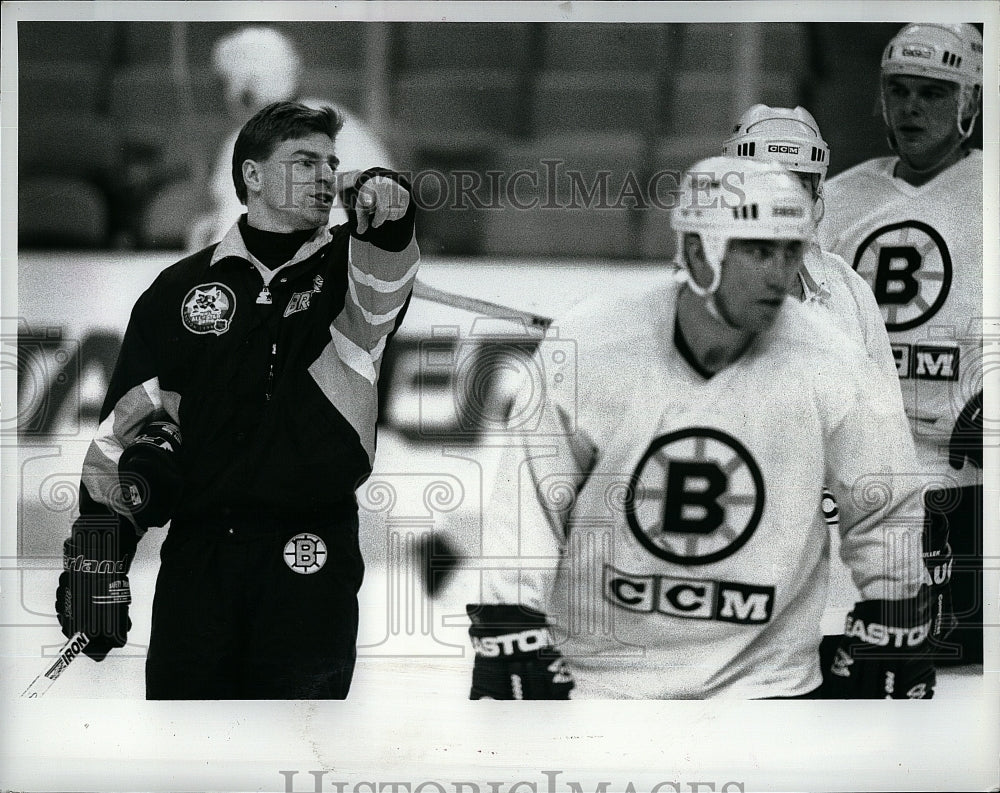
x=830, y=284
x=669, y=525
x=920, y=249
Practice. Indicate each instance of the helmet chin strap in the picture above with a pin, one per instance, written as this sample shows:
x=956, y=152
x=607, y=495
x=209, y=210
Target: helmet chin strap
x=707, y=297
x=891, y=140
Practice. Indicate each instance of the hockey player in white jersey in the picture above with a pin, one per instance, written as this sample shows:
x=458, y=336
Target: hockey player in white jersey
x=826, y=283
x=912, y=226
x=792, y=137
x=659, y=536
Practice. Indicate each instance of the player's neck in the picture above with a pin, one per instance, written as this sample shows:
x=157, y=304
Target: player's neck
x=710, y=341
x=917, y=176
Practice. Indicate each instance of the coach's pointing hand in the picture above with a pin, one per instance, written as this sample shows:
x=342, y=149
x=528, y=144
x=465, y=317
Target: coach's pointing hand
x=380, y=199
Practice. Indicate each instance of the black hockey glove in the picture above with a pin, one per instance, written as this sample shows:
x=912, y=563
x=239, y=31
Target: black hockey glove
x=967, y=435
x=884, y=653
x=93, y=593
x=395, y=203
x=150, y=475
x=514, y=655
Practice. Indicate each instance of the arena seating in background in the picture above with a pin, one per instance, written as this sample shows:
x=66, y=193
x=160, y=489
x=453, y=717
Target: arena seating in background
x=61, y=212
x=166, y=219
x=599, y=47
x=606, y=101
x=458, y=106
x=601, y=97
x=79, y=42
x=344, y=87
x=41, y=83
x=462, y=45
x=565, y=212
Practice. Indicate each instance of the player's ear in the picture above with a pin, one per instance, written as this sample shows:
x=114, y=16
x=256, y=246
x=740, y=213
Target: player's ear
x=252, y=176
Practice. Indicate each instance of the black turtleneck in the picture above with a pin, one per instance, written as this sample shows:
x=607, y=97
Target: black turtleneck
x=272, y=248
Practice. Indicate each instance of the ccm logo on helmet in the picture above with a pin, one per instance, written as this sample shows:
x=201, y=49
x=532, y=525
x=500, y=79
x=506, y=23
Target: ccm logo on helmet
x=783, y=149
x=917, y=52
x=693, y=598
x=510, y=643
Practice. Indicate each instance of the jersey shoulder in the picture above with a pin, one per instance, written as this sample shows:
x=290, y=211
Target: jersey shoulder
x=812, y=339
x=877, y=168
x=808, y=350
x=617, y=317
x=837, y=267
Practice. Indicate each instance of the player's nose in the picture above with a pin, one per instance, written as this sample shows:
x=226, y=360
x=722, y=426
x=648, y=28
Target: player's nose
x=912, y=105
x=324, y=173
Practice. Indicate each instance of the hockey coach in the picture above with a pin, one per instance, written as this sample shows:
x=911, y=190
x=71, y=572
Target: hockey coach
x=242, y=410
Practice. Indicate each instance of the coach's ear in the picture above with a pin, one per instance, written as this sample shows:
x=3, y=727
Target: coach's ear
x=252, y=176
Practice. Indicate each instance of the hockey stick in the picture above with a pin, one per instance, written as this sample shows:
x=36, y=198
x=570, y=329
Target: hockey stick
x=533, y=322
x=73, y=647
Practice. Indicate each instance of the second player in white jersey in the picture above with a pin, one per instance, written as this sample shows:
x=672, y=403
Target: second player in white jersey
x=792, y=137
x=920, y=249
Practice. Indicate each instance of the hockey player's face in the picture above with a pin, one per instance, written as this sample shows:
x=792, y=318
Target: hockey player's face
x=756, y=275
x=922, y=114
x=296, y=183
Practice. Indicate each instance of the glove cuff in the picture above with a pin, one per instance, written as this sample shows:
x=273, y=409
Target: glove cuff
x=96, y=547
x=890, y=624
x=392, y=235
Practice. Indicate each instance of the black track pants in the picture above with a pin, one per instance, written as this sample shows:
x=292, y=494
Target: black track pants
x=256, y=613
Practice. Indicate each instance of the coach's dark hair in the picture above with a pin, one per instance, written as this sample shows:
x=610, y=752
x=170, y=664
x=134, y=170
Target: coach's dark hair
x=271, y=125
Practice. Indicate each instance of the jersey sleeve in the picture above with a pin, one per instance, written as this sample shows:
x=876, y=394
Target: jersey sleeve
x=872, y=325
x=528, y=511
x=382, y=265
x=873, y=473
x=134, y=396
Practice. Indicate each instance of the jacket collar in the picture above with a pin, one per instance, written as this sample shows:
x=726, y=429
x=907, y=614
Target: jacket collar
x=233, y=245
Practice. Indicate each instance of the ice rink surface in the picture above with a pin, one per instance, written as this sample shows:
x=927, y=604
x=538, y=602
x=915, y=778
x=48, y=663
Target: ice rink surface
x=410, y=645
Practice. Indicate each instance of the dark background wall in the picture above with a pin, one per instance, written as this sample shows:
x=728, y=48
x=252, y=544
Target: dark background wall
x=129, y=116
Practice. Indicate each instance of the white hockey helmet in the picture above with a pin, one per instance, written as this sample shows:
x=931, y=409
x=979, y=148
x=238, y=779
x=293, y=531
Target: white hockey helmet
x=943, y=52
x=789, y=135
x=727, y=198
x=259, y=65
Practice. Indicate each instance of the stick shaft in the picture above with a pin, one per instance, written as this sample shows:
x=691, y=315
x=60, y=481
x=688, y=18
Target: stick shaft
x=477, y=306
x=70, y=650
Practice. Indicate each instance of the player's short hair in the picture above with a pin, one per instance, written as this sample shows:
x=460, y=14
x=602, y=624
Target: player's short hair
x=274, y=124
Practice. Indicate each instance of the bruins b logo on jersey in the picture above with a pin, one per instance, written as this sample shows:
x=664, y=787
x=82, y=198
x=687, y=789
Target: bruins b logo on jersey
x=697, y=496
x=909, y=268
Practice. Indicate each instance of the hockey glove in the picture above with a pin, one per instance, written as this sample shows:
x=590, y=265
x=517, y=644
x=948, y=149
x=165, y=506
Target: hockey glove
x=884, y=652
x=967, y=435
x=93, y=593
x=380, y=209
x=150, y=476
x=514, y=655
x=938, y=562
